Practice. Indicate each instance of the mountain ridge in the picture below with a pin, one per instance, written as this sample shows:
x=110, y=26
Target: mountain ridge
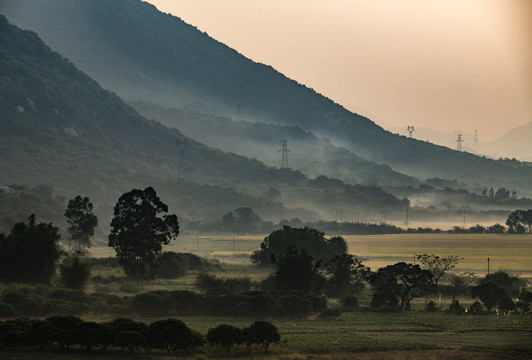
x=158, y=57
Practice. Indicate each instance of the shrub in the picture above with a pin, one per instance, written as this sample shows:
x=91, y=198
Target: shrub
x=75, y=272
x=6, y=310
x=209, y=282
x=318, y=303
x=170, y=265
x=431, y=307
x=295, y=306
x=476, y=308
x=384, y=300
x=350, y=301
x=456, y=308
x=154, y=303
x=330, y=313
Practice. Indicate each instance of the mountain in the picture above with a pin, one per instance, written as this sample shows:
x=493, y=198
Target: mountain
x=516, y=143
x=513, y=144
x=142, y=54
x=261, y=141
x=60, y=128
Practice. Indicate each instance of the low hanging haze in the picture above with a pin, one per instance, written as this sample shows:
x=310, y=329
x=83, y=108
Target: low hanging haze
x=444, y=64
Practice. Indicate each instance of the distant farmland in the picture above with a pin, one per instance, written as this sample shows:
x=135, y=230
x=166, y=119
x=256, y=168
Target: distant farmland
x=512, y=253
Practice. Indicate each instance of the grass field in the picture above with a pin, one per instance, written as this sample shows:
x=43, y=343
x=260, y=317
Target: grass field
x=365, y=334
x=512, y=253
x=361, y=334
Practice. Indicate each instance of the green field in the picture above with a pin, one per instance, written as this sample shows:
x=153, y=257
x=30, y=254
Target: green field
x=361, y=334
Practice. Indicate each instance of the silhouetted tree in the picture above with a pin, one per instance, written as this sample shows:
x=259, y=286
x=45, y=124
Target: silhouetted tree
x=405, y=281
x=261, y=332
x=489, y=293
x=29, y=253
x=81, y=221
x=438, y=266
x=294, y=270
x=75, y=271
x=348, y=275
x=171, y=335
x=311, y=240
x=139, y=229
x=519, y=220
x=225, y=336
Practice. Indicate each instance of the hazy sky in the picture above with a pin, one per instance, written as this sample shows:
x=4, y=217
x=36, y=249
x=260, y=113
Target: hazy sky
x=446, y=64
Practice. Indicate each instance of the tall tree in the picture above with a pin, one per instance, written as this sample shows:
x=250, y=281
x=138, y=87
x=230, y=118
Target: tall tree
x=437, y=265
x=403, y=280
x=81, y=221
x=139, y=229
x=294, y=270
x=29, y=253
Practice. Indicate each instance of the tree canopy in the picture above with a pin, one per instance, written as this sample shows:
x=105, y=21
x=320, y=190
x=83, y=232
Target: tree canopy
x=406, y=281
x=81, y=221
x=311, y=240
x=30, y=252
x=139, y=229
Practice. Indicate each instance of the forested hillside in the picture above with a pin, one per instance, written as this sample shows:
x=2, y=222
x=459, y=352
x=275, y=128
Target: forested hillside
x=62, y=129
x=143, y=54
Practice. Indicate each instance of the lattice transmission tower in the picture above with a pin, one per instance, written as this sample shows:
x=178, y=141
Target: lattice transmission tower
x=284, y=154
x=410, y=130
x=459, y=142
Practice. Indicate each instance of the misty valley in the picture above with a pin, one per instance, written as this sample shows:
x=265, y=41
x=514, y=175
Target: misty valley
x=162, y=195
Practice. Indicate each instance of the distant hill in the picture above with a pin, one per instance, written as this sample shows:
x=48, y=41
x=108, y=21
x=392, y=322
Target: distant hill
x=261, y=141
x=142, y=54
x=60, y=128
x=516, y=143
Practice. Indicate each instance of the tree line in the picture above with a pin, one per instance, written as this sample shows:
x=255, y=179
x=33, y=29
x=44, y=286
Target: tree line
x=66, y=332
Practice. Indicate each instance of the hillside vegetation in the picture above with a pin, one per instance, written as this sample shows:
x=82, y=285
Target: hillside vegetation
x=61, y=128
x=143, y=54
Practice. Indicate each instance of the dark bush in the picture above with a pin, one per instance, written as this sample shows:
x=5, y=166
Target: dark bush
x=295, y=306
x=75, y=296
x=170, y=265
x=154, y=303
x=65, y=334
x=210, y=282
x=456, y=308
x=7, y=310
x=75, y=272
x=350, y=301
x=318, y=303
x=431, y=307
x=330, y=313
x=476, y=308
x=384, y=300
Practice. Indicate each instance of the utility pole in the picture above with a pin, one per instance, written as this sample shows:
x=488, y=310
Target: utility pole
x=488, y=266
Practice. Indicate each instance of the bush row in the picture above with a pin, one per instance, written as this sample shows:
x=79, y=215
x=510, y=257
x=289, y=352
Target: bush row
x=170, y=335
x=42, y=302
x=251, y=303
